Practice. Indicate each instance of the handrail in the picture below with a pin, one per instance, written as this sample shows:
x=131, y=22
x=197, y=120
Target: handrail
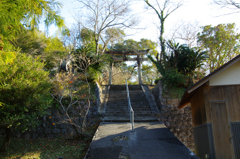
x=130, y=107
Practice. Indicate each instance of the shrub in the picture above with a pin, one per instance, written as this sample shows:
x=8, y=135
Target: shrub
x=173, y=78
x=24, y=93
x=73, y=94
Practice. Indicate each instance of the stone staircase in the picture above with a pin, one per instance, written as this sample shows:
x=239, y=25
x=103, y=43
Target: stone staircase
x=117, y=104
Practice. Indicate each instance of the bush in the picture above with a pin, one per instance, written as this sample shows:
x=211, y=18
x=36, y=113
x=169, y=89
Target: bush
x=24, y=92
x=173, y=78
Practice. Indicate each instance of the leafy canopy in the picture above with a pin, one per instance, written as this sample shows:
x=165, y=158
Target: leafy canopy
x=24, y=90
x=221, y=42
x=18, y=14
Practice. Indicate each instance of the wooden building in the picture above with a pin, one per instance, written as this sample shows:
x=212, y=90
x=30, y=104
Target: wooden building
x=215, y=105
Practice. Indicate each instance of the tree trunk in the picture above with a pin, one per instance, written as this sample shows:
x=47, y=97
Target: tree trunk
x=161, y=38
x=7, y=139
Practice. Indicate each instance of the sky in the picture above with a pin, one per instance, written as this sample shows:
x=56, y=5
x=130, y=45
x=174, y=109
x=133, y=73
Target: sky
x=200, y=12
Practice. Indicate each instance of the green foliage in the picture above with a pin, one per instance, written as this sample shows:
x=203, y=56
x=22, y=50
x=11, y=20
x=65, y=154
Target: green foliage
x=173, y=92
x=24, y=90
x=148, y=71
x=17, y=15
x=86, y=59
x=6, y=58
x=35, y=43
x=173, y=78
x=30, y=42
x=185, y=59
x=179, y=66
x=53, y=52
x=114, y=35
x=221, y=43
x=132, y=45
x=87, y=38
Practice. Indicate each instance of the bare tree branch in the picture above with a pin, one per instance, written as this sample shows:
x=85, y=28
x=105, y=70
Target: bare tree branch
x=166, y=6
x=104, y=14
x=230, y=4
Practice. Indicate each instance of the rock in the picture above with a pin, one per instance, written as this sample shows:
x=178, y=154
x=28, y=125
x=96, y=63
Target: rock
x=63, y=131
x=167, y=124
x=179, y=121
x=55, y=131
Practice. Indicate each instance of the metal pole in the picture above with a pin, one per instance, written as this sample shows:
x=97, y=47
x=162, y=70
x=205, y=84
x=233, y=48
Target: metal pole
x=110, y=73
x=131, y=112
x=139, y=70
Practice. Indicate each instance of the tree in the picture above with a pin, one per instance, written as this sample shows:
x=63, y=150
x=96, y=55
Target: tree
x=180, y=64
x=24, y=90
x=169, y=7
x=230, y=4
x=19, y=15
x=132, y=45
x=30, y=42
x=119, y=75
x=35, y=43
x=105, y=15
x=221, y=42
x=149, y=73
x=73, y=89
x=185, y=59
x=86, y=46
x=186, y=32
x=143, y=44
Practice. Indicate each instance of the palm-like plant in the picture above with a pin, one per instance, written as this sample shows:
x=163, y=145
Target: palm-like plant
x=185, y=59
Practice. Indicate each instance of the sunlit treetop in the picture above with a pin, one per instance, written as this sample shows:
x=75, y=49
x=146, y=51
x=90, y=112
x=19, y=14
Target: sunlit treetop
x=27, y=14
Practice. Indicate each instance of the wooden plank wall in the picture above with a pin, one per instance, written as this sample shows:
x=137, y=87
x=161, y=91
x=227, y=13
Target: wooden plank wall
x=198, y=108
x=230, y=94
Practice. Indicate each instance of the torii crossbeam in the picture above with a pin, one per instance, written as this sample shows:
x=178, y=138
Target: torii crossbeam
x=124, y=58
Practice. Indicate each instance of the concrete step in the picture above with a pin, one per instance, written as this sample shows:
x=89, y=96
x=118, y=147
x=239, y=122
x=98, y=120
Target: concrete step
x=123, y=111
x=135, y=108
x=126, y=105
x=127, y=119
x=126, y=108
x=139, y=102
x=118, y=87
x=134, y=87
x=117, y=100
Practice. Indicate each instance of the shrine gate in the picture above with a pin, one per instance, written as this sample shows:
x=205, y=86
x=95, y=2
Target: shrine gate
x=139, y=60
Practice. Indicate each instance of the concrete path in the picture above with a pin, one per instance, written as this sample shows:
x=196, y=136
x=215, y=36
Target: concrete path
x=150, y=140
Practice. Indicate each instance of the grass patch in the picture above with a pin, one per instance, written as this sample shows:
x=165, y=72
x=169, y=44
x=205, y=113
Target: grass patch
x=46, y=148
x=49, y=148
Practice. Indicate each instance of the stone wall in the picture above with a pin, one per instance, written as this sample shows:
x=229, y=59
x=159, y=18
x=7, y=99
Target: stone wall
x=179, y=121
x=52, y=125
x=157, y=91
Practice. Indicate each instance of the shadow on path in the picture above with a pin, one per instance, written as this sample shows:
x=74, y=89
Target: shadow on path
x=149, y=140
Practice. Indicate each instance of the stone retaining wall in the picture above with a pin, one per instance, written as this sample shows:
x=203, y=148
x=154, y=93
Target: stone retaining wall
x=51, y=125
x=157, y=91
x=179, y=121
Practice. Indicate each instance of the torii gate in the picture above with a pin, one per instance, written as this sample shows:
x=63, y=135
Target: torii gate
x=124, y=53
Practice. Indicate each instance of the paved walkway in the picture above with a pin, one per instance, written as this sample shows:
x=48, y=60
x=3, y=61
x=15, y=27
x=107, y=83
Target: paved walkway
x=150, y=140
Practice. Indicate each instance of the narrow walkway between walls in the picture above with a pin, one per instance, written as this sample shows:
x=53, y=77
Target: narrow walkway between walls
x=149, y=140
